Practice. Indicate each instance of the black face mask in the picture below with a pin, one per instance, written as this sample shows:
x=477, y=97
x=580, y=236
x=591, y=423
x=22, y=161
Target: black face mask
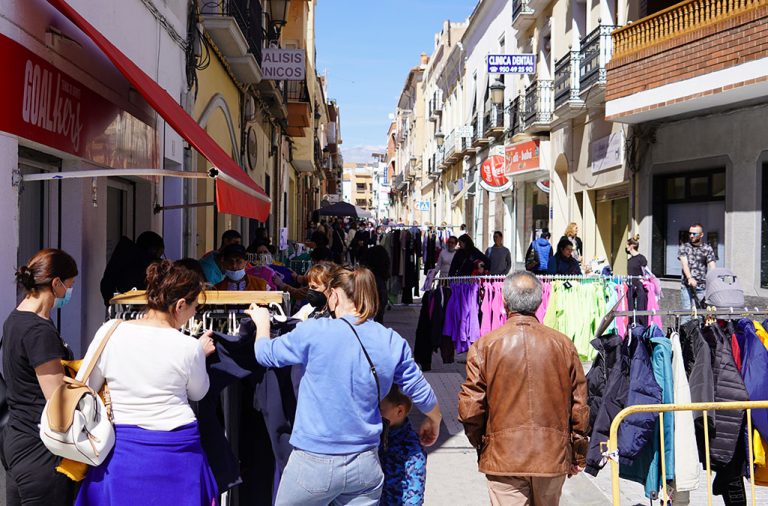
x=316, y=299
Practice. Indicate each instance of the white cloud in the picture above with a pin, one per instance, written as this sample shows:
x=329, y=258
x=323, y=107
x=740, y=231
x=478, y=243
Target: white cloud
x=361, y=153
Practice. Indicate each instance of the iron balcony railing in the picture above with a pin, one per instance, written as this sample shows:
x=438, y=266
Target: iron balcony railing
x=520, y=7
x=475, y=130
x=596, y=52
x=539, y=102
x=449, y=146
x=248, y=16
x=567, y=78
x=514, y=116
x=493, y=118
x=296, y=91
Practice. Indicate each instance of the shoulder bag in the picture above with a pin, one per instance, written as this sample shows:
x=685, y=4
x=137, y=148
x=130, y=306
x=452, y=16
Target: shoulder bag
x=76, y=424
x=384, y=422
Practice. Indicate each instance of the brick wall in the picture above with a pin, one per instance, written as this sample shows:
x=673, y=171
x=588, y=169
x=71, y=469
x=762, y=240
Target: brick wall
x=733, y=41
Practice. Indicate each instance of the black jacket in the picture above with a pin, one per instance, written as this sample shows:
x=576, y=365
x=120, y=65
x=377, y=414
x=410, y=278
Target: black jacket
x=608, y=354
x=463, y=262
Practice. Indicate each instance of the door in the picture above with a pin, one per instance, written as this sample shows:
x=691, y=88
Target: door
x=120, y=212
x=619, y=234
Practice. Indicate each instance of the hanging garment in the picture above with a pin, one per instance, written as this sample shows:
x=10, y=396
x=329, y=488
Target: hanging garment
x=759, y=445
x=645, y=466
x=422, y=352
x=608, y=354
x=686, y=463
x=653, y=302
x=439, y=339
x=546, y=292
x=622, y=322
x=754, y=371
x=498, y=308
x=485, y=309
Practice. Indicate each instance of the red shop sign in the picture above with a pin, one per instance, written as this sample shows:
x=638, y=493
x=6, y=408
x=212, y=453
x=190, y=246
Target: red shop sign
x=522, y=157
x=492, y=174
x=47, y=106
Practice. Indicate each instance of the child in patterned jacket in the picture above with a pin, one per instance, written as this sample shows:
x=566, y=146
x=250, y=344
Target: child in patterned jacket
x=404, y=461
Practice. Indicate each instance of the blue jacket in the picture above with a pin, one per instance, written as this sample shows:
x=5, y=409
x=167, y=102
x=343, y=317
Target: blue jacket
x=544, y=250
x=754, y=370
x=646, y=466
x=338, y=412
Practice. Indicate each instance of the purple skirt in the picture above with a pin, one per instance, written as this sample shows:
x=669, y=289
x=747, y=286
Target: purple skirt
x=152, y=467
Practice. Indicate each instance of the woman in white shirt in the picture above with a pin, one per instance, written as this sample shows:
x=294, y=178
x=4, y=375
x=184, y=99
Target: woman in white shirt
x=446, y=256
x=152, y=371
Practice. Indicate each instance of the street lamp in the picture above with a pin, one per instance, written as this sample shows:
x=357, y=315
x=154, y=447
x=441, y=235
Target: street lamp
x=278, y=15
x=414, y=160
x=439, y=138
x=497, y=93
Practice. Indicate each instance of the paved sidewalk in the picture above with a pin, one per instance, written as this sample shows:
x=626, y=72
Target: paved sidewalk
x=452, y=477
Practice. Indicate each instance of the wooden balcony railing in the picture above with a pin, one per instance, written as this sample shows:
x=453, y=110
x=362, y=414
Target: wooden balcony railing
x=676, y=21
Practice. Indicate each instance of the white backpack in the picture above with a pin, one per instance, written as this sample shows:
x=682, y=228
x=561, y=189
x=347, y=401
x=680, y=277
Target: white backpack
x=76, y=424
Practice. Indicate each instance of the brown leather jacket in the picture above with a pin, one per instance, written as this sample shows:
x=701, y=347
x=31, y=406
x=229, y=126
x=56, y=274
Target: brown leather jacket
x=524, y=403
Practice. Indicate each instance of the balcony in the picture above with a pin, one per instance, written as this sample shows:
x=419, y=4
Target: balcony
x=235, y=27
x=567, y=85
x=449, y=147
x=478, y=140
x=539, y=103
x=596, y=51
x=493, y=121
x=440, y=159
x=435, y=109
x=514, y=117
x=299, y=108
x=715, y=47
x=400, y=182
x=274, y=93
x=523, y=16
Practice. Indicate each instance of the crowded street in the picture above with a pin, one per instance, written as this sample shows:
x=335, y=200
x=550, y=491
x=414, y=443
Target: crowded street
x=411, y=252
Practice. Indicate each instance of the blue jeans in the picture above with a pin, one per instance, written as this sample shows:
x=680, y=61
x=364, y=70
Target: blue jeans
x=313, y=479
x=686, y=303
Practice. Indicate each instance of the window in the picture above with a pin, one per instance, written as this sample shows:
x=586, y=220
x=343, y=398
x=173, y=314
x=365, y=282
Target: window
x=678, y=201
x=360, y=202
x=764, y=223
x=361, y=187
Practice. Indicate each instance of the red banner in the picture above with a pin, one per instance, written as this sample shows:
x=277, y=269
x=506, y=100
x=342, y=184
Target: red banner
x=45, y=105
x=521, y=157
x=492, y=174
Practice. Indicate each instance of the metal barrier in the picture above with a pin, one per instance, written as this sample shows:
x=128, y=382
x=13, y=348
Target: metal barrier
x=704, y=407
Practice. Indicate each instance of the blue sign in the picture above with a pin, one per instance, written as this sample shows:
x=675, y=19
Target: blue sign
x=422, y=205
x=511, y=63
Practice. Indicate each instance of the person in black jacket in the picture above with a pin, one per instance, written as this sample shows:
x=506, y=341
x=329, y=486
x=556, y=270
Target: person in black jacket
x=377, y=260
x=127, y=267
x=468, y=258
x=563, y=262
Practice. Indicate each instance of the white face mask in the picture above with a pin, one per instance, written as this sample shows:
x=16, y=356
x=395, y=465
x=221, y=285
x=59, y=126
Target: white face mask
x=265, y=259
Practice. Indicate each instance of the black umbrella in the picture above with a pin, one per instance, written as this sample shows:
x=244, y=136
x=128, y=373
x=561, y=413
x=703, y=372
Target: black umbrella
x=342, y=209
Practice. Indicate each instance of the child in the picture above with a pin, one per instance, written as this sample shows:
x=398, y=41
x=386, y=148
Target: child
x=404, y=461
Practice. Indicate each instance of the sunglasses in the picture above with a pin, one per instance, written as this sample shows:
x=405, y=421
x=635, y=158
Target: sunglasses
x=694, y=234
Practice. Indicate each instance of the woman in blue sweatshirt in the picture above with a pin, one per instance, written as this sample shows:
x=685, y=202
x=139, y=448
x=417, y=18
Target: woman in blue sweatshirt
x=338, y=423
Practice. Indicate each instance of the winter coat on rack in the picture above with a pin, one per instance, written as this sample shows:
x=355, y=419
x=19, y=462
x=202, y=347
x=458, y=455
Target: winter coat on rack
x=729, y=386
x=608, y=354
x=754, y=371
x=686, y=463
x=638, y=429
x=609, y=397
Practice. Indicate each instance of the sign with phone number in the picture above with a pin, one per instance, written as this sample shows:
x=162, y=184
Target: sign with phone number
x=511, y=63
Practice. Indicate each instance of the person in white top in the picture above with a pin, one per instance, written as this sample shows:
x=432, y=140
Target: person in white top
x=446, y=256
x=152, y=371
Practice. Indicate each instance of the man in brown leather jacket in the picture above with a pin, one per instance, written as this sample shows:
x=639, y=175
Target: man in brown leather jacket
x=524, y=403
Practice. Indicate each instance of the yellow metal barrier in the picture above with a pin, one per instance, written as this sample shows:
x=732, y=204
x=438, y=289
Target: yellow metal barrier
x=704, y=407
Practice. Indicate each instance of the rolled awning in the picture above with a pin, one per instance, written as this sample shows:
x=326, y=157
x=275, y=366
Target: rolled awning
x=236, y=193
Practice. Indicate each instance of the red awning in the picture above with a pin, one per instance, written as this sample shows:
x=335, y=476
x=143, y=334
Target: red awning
x=236, y=193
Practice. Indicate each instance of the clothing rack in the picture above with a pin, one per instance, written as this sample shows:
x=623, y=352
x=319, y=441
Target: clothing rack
x=695, y=312
x=212, y=298
x=543, y=277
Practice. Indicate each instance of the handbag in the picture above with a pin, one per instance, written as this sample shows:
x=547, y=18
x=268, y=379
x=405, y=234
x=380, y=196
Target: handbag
x=76, y=424
x=384, y=422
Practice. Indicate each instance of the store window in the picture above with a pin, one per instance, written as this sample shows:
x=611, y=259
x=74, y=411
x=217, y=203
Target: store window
x=764, y=226
x=120, y=215
x=680, y=200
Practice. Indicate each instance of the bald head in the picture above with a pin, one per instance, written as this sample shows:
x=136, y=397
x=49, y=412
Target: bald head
x=522, y=293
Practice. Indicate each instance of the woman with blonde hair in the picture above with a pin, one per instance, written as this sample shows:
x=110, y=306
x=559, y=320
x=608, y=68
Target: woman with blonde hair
x=351, y=363
x=572, y=235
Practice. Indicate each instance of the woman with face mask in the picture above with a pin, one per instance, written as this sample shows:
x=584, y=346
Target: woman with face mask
x=233, y=262
x=319, y=278
x=32, y=350
x=338, y=422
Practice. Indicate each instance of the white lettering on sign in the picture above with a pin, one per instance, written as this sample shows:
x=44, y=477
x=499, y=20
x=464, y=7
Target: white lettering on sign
x=283, y=64
x=511, y=63
x=54, y=107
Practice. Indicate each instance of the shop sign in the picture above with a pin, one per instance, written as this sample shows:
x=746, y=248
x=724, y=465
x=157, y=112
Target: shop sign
x=608, y=152
x=51, y=108
x=512, y=63
x=521, y=157
x=283, y=64
x=492, y=176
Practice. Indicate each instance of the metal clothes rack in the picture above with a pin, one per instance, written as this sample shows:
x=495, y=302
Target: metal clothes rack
x=543, y=277
x=732, y=312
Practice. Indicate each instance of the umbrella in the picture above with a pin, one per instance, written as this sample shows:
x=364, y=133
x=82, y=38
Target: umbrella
x=343, y=209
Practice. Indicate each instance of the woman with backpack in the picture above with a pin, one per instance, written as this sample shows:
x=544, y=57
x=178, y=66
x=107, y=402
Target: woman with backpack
x=539, y=255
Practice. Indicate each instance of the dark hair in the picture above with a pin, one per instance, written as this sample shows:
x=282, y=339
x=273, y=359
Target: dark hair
x=546, y=235
x=634, y=241
x=233, y=251
x=452, y=237
x=151, y=243
x=45, y=266
x=191, y=264
x=564, y=242
x=697, y=225
x=320, y=254
x=498, y=232
x=398, y=398
x=168, y=283
x=359, y=285
x=230, y=235
x=467, y=241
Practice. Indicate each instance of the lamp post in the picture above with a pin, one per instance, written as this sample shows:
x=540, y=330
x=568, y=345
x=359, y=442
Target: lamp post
x=497, y=93
x=439, y=138
x=278, y=16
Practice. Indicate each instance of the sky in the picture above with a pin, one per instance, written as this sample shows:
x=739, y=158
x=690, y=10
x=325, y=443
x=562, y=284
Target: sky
x=366, y=48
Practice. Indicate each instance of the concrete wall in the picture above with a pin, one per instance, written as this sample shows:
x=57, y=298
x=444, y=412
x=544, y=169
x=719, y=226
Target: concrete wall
x=735, y=140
